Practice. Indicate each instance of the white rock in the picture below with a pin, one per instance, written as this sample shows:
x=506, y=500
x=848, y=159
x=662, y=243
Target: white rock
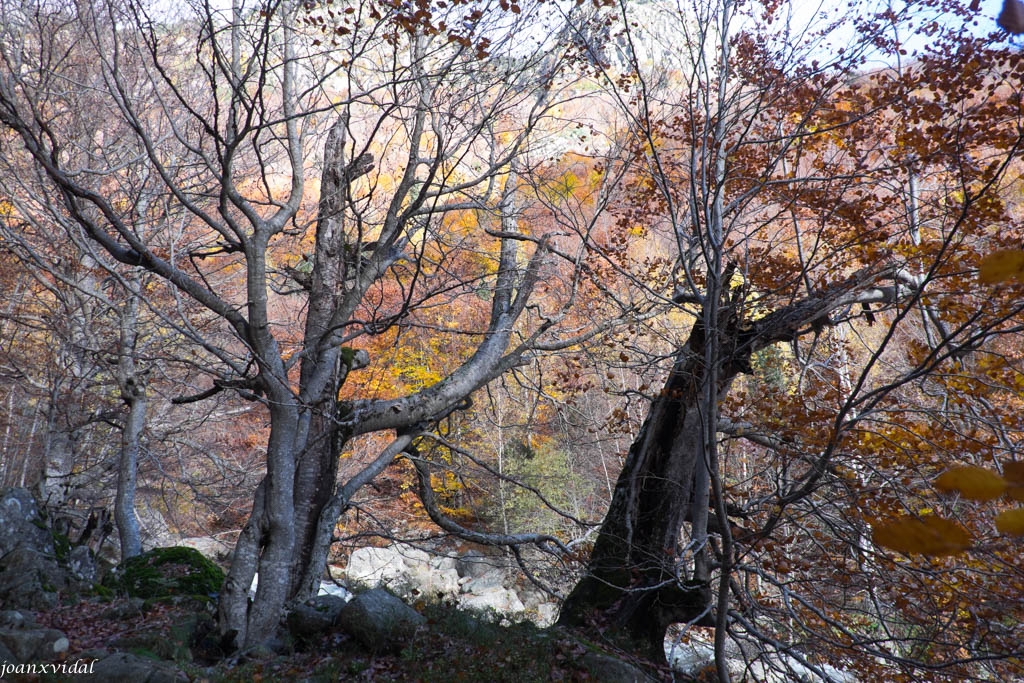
x=407, y=571
x=331, y=588
x=498, y=600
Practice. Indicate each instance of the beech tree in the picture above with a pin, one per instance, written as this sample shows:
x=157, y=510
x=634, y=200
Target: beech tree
x=422, y=111
x=828, y=217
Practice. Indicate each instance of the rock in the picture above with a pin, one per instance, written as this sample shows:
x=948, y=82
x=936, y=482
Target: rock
x=333, y=589
x=23, y=641
x=474, y=564
x=499, y=601
x=213, y=548
x=35, y=563
x=21, y=525
x=12, y=618
x=165, y=572
x=689, y=658
x=28, y=645
x=608, y=669
x=781, y=668
x=494, y=579
x=374, y=566
x=30, y=579
x=123, y=667
x=82, y=564
x=132, y=607
x=30, y=575
x=404, y=570
x=380, y=621
x=547, y=614
x=315, y=616
x=153, y=526
x=695, y=656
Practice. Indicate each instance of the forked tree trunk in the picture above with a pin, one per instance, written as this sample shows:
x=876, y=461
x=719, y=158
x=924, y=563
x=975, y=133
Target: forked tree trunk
x=635, y=586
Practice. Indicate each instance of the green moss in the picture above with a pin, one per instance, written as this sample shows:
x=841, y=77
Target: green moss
x=166, y=572
x=61, y=546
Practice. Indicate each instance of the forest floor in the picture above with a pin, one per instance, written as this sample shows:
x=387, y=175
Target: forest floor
x=454, y=646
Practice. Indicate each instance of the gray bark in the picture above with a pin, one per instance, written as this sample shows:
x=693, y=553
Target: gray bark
x=133, y=392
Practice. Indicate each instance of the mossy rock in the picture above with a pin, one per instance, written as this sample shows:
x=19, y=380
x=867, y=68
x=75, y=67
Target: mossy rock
x=163, y=572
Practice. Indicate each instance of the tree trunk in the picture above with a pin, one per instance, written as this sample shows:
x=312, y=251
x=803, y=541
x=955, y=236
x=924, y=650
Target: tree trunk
x=133, y=393
x=316, y=470
x=635, y=586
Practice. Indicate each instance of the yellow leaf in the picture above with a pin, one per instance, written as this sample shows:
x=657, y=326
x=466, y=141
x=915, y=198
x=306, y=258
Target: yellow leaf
x=1011, y=522
x=973, y=483
x=924, y=535
x=1000, y=266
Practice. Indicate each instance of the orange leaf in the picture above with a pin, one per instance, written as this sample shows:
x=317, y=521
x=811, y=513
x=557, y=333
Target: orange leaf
x=1000, y=266
x=926, y=535
x=1011, y=522
x=973, y=483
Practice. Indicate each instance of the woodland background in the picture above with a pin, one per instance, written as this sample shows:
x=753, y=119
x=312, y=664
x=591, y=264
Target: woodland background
x=744, y=285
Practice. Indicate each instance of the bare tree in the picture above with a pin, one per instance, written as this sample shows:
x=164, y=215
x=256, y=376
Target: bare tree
x=223, y=111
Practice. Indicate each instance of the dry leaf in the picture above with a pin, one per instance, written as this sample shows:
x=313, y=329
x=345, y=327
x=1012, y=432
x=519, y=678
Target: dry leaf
x=1011, y=522
x=973, y=483
x=1013, y=472
x=925, y=535
x=1000, y=266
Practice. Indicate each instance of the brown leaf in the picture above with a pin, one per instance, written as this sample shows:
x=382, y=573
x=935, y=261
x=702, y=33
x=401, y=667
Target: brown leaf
x=1013, y=472
x=973, y=483
x=931, y=535
x=1000, y=266
x=1011, y=522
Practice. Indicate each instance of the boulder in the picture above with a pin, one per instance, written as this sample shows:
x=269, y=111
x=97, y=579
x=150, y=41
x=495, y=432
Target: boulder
x=21, y=525
x=496, y=600
x=315, y=616
x=404, y=570
x=163, y=572
x=474, y=564
x=380, y=621
x=335, y=590
x=484, y=583
x=608, y=669
x=23, y=641
x=123, y=667
x=82, y=564
x=693, y=657
x=35, y=563
x=31, y=579
x=30, y=575
x=213, y=548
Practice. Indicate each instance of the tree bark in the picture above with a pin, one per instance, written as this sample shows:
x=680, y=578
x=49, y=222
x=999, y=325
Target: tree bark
x=133, y=393
x=635, y=585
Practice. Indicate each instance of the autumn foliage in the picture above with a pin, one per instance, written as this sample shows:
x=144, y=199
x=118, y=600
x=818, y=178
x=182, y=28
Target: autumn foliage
x=808, y=254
